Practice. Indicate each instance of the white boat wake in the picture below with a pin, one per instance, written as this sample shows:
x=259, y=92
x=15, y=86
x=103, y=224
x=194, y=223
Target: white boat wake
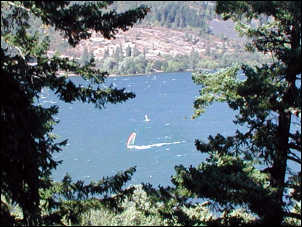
x=144, y=147
x=131, y=140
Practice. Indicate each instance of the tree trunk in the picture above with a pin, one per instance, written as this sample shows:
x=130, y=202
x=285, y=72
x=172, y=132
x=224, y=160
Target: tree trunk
x=280, y=158
x=279, y=169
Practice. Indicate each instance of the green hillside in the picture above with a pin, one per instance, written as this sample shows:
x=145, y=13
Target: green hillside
x=174, y=36
x=174, y=14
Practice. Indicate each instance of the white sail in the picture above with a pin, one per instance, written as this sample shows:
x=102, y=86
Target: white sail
x=131, y=139
x=147, y=118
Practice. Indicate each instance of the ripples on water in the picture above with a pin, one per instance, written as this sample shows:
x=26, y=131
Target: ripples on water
x=97, y=138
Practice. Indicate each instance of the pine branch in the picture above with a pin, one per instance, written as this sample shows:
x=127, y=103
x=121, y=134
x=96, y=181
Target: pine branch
x=292, y=215
x=18, y=6
x=298, y=160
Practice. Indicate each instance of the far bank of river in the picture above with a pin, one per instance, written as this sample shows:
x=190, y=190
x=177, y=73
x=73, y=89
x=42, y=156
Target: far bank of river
x=162, y=72
x=145, y=74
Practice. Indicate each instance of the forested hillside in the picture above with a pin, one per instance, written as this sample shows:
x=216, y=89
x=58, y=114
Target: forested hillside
x=175, y=14
x=174, y=36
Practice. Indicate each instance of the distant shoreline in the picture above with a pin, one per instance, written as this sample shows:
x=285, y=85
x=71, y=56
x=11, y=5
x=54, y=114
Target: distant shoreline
x=141, y=74
x=123, y=75
x=158, y=72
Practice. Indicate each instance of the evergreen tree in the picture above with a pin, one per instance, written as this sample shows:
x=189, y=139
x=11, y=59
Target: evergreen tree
x=128, y=51
x=249, y=169
x=145, y=50
x=140, y=63
x=194, y=58
x=85, y=58
x=118, y=53
x=106, y=53
x=109, y=64
x=135, y=51
x=27, y=144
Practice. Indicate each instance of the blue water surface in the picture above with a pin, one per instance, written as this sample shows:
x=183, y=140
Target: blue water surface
x=97, y=138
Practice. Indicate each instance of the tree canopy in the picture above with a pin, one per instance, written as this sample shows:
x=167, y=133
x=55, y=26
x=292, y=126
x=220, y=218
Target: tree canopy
x=258, y=168
x=27, y=142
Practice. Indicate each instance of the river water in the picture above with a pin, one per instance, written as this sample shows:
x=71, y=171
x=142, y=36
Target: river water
x=97, y=138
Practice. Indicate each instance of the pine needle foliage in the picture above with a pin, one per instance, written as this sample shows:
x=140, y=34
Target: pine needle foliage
x=27, y=142
x=259, y=167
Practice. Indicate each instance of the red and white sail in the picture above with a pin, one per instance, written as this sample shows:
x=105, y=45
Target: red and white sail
x=131, y=139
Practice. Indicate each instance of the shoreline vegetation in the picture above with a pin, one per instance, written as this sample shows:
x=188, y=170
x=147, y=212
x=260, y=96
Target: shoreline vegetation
x=137, y=74
x=150, y=73
x=146, y=74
